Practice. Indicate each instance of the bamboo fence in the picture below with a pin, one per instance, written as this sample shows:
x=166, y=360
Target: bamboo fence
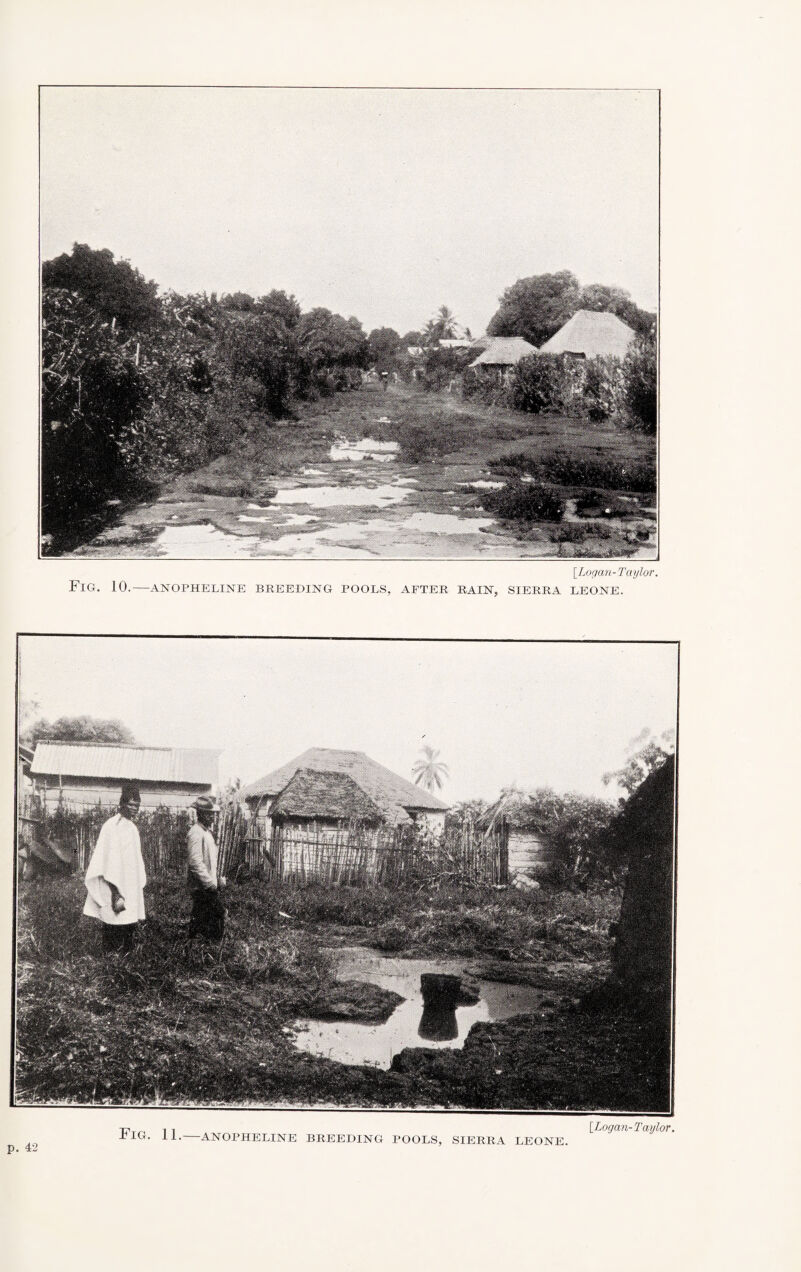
x=346, y=853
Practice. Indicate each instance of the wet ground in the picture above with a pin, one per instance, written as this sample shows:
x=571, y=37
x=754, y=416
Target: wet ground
x=330, y=489
x=411, y=1024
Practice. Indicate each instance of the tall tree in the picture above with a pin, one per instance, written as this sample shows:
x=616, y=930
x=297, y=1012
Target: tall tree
x=430, y=772
x=114, y=289
x=536, y=307
x=78, y=729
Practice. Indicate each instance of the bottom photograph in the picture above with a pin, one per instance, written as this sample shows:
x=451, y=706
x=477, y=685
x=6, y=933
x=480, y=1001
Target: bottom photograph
x=334, y=873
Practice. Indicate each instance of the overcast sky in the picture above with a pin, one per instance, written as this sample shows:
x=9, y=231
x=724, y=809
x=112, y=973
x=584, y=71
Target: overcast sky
x=380, y=203
x=540, y=714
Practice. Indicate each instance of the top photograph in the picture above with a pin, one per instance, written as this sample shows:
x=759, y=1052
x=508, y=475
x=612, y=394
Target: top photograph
x=345, y=323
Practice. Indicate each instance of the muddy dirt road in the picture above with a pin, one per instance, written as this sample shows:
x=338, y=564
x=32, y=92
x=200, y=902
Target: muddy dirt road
x=376, y=473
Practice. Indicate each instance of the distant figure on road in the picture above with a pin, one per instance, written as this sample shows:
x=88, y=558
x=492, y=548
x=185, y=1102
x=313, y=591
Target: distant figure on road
x=385, y=379
x=116, y=875
x=208, y=911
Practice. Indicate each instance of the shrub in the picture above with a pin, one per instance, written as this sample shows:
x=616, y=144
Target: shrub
x=567, y=469
x=524, y=501
x=539, y=383
x=639, y=385
x=601, y=388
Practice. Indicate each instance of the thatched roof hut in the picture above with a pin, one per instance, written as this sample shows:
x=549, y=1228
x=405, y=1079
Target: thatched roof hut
x=503, y=351
x=311, y=795
x=399, y=800
x=527, y=850
x=590, y=334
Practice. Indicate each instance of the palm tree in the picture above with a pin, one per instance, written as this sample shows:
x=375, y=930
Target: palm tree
x=446, y=323
x=430, y=773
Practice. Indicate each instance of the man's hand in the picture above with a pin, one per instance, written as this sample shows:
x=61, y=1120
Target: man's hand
x=118, y=904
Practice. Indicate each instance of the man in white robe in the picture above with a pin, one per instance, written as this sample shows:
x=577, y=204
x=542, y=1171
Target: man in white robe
x=116, y=875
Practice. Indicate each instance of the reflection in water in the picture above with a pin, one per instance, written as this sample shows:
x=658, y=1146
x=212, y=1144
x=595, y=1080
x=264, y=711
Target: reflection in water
x=442, y=1024
x=438, y=1023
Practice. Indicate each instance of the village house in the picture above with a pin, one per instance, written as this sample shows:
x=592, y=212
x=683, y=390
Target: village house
x=590, y=334
x=528, y=852
x=501, y=355
x=89, y=773
x=309, y=789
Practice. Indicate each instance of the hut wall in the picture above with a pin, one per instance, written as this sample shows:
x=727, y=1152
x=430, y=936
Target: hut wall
x=526, y=853
x=90, y=791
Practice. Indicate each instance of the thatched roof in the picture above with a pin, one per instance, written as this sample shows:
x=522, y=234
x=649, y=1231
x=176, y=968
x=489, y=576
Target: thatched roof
x=395, y=797
x=595, y=335
x=504, y=351
x=511, y=805
x=315, y=795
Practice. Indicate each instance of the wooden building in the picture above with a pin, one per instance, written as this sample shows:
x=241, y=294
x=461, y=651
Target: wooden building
x=83, y=774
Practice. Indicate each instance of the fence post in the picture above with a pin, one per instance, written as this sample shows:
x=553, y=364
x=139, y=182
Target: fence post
x=504, y=852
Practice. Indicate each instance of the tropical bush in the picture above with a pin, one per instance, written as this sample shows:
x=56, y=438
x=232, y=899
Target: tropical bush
x=640, y=385
x=525, y=501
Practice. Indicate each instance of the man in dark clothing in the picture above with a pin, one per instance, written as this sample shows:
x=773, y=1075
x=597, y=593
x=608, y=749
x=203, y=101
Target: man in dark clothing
x=208, y=911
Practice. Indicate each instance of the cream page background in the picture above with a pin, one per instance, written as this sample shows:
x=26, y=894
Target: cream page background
x=718, y=1192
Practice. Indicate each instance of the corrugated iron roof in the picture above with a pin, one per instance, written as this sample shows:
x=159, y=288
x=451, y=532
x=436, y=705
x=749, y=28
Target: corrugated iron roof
x=393, y=794
x=117, y=763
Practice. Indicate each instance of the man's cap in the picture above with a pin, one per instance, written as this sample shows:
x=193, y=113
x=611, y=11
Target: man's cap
x=130, y=793
x=204, y=803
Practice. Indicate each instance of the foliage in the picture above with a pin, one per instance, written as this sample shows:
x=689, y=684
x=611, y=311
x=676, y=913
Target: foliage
x=536, y=307
x=616, y=300
x=539, y=384
x=329, y=344
x=601, y=386
x=442, y=327
x=115, y=290
x=640, y=385
x=441, y=366
x=568, y=469
x=572, y=826
x=647, y=752
x=525, y=501
x=385, y=348
x=78, y=729
x=430, y=772
x=136, y=386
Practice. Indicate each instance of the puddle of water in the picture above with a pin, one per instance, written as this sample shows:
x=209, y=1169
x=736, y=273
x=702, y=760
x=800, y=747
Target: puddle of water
x=312, y=472
x=484, y=485
x=293, y=519
x=367, y=448
x=203, y=541
x=375, y=1045
x=406, y=481
x=341, y=496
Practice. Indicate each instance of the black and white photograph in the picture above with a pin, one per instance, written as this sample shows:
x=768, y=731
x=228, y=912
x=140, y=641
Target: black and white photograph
x=333, y=323
x=242, y=882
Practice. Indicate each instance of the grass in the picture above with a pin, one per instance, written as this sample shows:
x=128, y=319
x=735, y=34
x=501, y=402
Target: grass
x=520, y=501
x=177, y=1022
x=571, y=469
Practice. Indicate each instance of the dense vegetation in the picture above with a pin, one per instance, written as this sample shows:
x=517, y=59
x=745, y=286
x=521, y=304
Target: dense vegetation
x=137, y=385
